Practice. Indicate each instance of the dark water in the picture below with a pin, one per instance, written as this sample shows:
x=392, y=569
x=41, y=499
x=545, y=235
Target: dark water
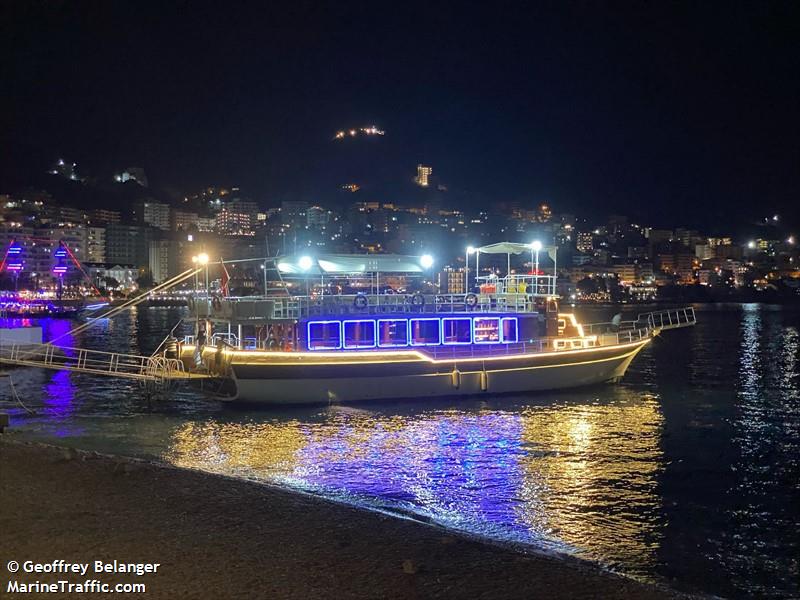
x=688, y=472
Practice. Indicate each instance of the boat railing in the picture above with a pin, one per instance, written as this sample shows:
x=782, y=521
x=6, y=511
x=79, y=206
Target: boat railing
x=533, y=285
x=254, y=308
x=661, y=319
x=92, y=361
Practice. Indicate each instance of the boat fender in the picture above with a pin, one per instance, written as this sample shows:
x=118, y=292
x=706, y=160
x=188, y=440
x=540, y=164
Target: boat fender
x=484, y=381
x=418, y=299
x=272, y=344
x=456, y=377
x=171, y=348
x=471, y=300
x=360, y=301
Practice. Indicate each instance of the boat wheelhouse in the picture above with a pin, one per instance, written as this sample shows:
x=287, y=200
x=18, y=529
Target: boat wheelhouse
x=343, y=328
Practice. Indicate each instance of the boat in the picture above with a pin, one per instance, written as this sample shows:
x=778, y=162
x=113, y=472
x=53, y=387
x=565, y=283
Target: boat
x=349, y=328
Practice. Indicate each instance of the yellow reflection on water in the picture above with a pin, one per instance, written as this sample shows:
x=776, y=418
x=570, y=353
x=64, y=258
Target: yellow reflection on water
x=576, y=473
x=591, y=478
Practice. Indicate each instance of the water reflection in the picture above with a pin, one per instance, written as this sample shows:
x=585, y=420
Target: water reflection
x=689, y=470
x=570, y=476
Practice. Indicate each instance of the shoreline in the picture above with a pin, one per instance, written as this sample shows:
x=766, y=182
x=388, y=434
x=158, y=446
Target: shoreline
x=219, y=536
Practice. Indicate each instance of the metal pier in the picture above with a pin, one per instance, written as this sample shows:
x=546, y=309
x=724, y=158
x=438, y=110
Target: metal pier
x=155, y=368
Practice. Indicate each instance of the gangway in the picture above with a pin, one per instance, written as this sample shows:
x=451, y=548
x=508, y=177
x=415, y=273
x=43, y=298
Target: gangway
x=669, y=319
x=155, y=369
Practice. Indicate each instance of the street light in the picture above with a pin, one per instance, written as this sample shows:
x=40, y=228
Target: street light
x=305, y=263
x=426, y=260
x=470, y=250
x=536, y=245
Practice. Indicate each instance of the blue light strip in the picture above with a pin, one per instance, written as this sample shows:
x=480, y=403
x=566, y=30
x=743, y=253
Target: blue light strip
x=324, y=347
x=404, y=343
x=358, y=344
x=469, y=328
x=503, y=332
x=438, y=342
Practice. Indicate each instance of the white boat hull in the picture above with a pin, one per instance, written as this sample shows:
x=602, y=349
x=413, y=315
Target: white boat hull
x=446, y=378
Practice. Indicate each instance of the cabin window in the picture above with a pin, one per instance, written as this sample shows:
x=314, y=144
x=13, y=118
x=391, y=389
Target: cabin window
x=456, y=330
x=487, y=330
x=324, y=335
x=359, y=334
x=424, y=332
x=392, y=333
x=510, y=328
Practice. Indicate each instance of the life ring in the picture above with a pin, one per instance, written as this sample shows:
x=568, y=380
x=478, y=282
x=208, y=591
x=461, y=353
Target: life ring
x=471, y=300
x=360, y=301
x=418, y=299
x=216, y=303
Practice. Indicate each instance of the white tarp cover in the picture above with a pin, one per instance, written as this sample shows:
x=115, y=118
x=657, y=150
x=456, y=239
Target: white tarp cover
x=505, y=248
x=515, y=248
x=349, y=264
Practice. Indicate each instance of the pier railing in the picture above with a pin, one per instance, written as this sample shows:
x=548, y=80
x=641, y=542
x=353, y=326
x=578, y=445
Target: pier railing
x=114, y=364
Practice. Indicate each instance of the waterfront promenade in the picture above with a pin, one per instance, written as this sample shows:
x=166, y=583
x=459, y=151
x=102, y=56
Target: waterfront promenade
x=225, y=538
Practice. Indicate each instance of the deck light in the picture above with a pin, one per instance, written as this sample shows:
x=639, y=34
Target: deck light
x=305, y=263
x=202, y=258
x=536, y=245
x=426, y=260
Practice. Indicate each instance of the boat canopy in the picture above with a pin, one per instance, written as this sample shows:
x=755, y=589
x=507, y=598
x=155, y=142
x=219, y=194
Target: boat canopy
x=349, y=264
x=505, y=248
x=514, y=248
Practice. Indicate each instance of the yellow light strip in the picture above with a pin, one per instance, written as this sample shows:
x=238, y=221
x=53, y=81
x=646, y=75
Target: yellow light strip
x=409, y=353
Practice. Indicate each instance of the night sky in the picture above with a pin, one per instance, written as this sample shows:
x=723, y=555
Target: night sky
x=681, y=114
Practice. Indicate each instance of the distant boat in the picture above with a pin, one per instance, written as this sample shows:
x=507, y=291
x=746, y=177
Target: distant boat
x=26, y=309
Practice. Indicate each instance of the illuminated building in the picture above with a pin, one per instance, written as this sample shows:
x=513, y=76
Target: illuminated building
x=155, y=214
x=231, y=222
x=317, y=217
x=585, y=241
x=545, y=214
x=183, y=220
x=423, y=173
x=135, y=174
x=103, y=216
x=96, y=244
x=451, y=281
x=293, y=213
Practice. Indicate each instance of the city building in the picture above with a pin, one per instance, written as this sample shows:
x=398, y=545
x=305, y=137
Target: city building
x=135, y=174
x=183, y=220
x=317, y=217
x=423, y=174
x=103, y=216
x=128, y=245
x=232, y=222
x=163, y=260
x=155, y=214
x=112, y=275
x=96, y=244
x=293, y=213
x=585, y=241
